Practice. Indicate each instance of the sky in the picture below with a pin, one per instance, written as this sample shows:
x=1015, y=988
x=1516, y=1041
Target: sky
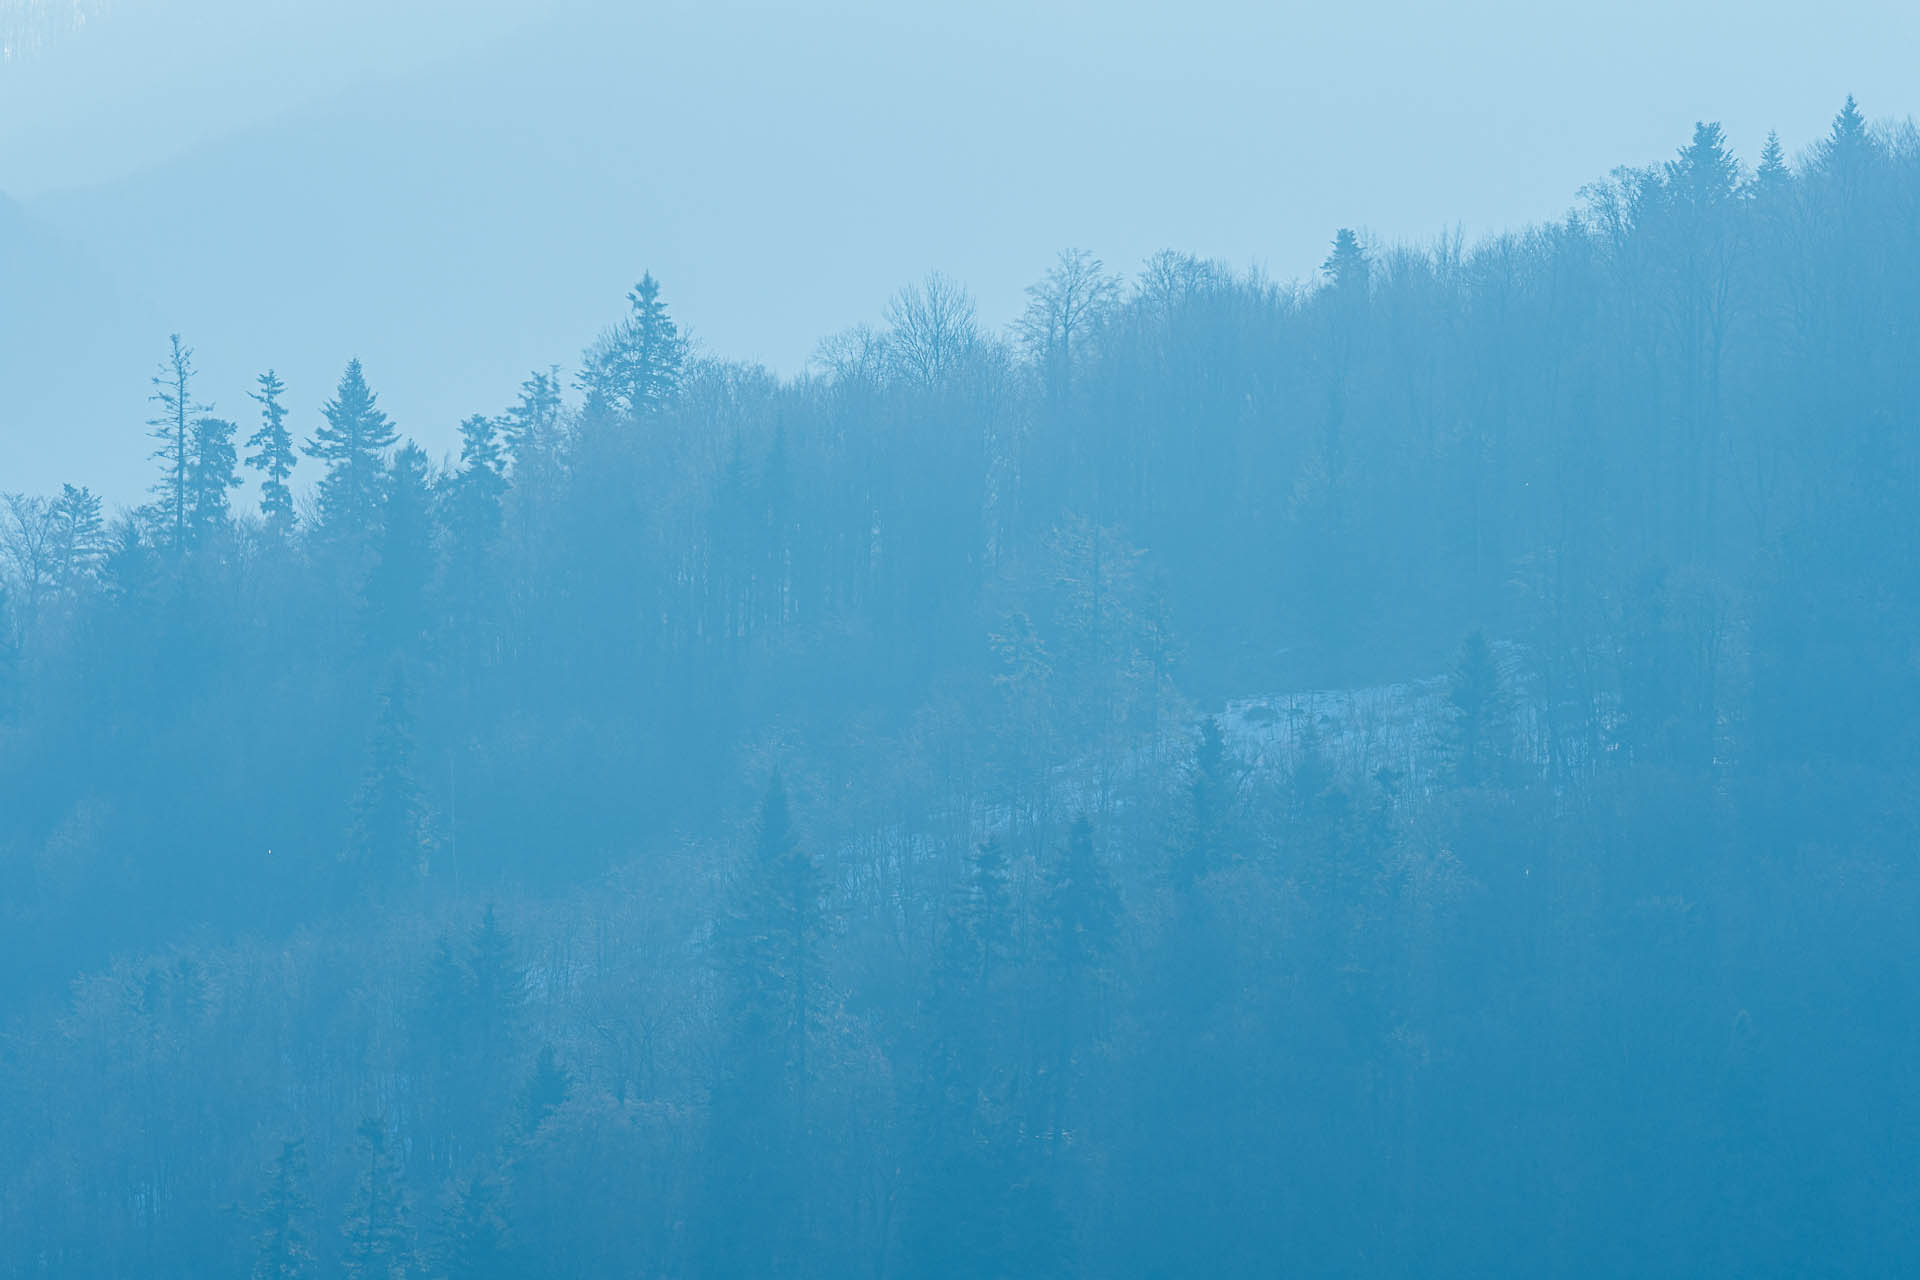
x=458, y=193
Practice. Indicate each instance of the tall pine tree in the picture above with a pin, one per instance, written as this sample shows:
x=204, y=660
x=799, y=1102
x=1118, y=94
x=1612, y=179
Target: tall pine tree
x=172, y=426
x=273, y=455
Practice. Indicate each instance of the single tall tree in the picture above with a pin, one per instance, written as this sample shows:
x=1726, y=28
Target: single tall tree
x=531, y=427
x=353, y=445
x=172, y=426
x=389, y=832
x=379, y=1240
x=273, y=456
x=1062, y=314
x=80, y=536
x=284, y=1249
x=634, y=369
x=210, y=475
x=770, y=974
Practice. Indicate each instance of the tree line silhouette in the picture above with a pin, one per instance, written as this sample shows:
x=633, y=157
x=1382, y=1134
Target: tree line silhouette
x=727, y=825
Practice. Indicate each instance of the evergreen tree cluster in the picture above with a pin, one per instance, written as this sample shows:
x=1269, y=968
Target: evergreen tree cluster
x=1410, y=772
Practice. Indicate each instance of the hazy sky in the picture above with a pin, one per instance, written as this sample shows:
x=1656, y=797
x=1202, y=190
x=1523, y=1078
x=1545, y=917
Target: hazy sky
x=458, y=192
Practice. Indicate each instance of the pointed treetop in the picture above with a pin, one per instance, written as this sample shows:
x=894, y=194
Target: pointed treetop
x=1773, y=158
x=1847, y=141
x=1849, y=124
x=1705, y=173
x=480, y=444
x=1346, y=266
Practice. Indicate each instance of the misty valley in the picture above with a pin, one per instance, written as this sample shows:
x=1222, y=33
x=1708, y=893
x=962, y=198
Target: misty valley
x=1410, y=772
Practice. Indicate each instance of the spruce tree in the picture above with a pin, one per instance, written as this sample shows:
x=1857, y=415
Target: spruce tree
x=1705, y=175
x=530, y=430
x=395, y=594
x=273, y=455
x=474, y=1238
x=353, y=445
x=496, y=993
x=210, y=475
x=634, y=369
x=379, y=1240
x=80, y=538
x=1207, y=838
x=1772, y=178
x=472, y=512
x=770, y=975
x=284, y=1249
x=1347, y=268
x=545, y=1092
x=1844, y=151
x=388, y=837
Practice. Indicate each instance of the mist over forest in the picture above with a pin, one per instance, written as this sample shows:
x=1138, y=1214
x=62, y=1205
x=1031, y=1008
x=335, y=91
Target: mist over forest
x=1405, y=772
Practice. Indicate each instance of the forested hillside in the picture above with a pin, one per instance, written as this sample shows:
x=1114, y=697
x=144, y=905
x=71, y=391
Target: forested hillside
x=877, y=823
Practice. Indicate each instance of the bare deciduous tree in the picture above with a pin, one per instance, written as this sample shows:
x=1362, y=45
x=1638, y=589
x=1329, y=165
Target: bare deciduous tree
x=932, y=330
x=1063, y=312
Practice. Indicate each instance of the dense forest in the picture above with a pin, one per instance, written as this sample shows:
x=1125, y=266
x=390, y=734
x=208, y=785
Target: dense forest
x=1408, y=773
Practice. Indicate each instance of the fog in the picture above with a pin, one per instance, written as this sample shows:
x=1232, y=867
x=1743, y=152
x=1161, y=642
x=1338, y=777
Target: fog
x=265, y=177
x=957, y=642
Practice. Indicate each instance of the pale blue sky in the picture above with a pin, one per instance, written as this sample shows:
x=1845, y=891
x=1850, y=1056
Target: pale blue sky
x=458, y=191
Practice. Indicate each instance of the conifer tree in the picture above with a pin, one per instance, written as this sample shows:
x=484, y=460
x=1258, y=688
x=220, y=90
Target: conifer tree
x=772, y=943
x=172, y=426
x=473, y=516
x=284, y=1249
x=1081, y=925
x=770, y=978
x=496, y=991
x=273, y=455
x=1772, y=178
x=531, y=428
x=353, y=445
x=79, y=534
x=545, y=1092
x=210, y=475
x=475, y=1242
x=1844, y=151
x=1347, y=268
x=379, y=1241
x=396, y=588
x=1207, y=840
x=977, y=1203
x=1479, y=730
x=389, y=831
x=1705, y=175
x=634, y=369
x=1082, y=905
x=480, y=453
